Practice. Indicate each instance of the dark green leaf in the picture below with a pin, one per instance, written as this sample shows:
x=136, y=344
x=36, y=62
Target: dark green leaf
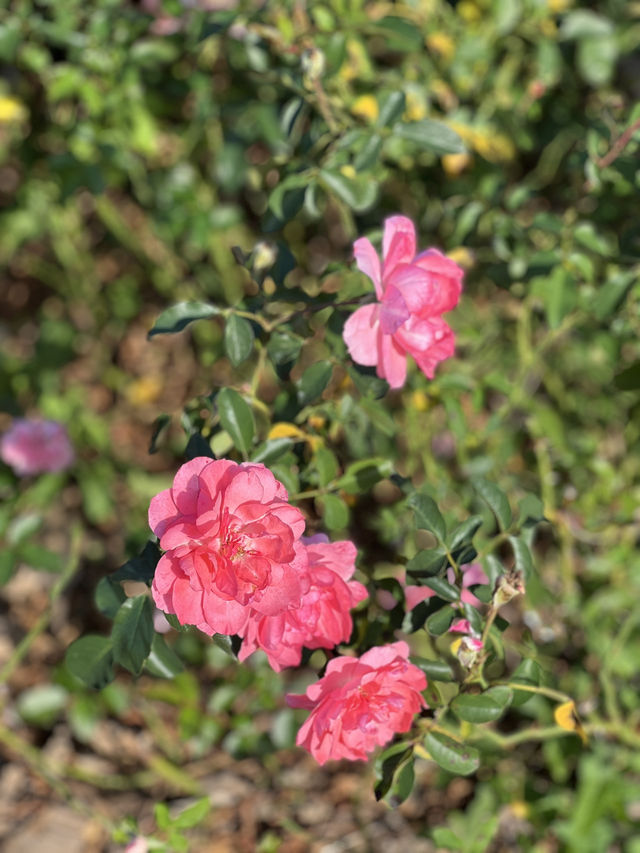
x=366, y=381
x=162, y=660
x=108, y=597
x=236, y=418
x=238, y=339
x=386, y=765
x=270, y=451
x=368, y=156
x=430, y=135
x=528, y=674
x=198, y=445
x=224, y=642
x=392, y=105
x=401, y=34
x=629, y=378
x=359, y=193
x=313, y=382
x=140, y=568
x=496, y=500
x=132, y=633
x=445, y=590
x=450, y=755
x=175, y=319
x=91, y=660
x=465, y=532
x=334, y=511
x=440, y=621
x=427, y=515
x=284, y=348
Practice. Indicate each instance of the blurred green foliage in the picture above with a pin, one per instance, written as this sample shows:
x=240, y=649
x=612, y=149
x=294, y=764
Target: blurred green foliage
x=162, y=153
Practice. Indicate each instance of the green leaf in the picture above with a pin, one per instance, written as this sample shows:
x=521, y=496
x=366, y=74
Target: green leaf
x=477, y=707
x=140, y=568
x=108, y=597
x=236, y=418
x=132, y=633
x=368, y=156
x=91, y=660
x=162, y=660
x=224, y=642
x=39, y=558
x=326, y=464
x=386, y=765
x=366, y=381
x=427, y=563
x=401, y=34
x=198, y=445
x=443, y=589
x=334, y=511
x=238, y=339
x=159, y=426
x=176, y=318
x=313, y=382
x=193, y=815
x=284, y=348
x=435, y=670
x=392, y=105
x=7, y=565
x=496, y=500
x=379, y=416
x=450, y=755
x=440, y=621
x=464, y=533
x=427, y=515
x=271, y=450
x=523, y=558
x=42, y=705
x=362, y=475
x=445, y=837
x=358, y=193
x=430, y=135
x=529, y=674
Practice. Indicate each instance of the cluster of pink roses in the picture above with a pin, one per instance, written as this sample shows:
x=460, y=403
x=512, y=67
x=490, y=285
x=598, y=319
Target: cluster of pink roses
x=235, y=562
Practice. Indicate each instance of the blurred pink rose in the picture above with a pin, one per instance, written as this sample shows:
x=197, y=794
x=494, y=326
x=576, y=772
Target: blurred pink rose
x=322, y=619
x=413, y=291
x=360, y=703
x=36, y=446
x=472, y=574
x=229, y=536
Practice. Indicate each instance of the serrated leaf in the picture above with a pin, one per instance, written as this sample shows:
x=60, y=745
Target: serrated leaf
x=91, y=660
x=427, y=515
x=133, y=633
x=496, y=500
x=430, y=135
x=238, y=339
x=450, y=755
x=176, y=318
x=236, y=418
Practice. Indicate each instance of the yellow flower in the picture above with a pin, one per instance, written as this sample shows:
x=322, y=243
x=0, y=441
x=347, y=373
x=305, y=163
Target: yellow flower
x=454, y=164
x=366, y=107
x=11, y=110
x=419, y=401
x=441, y=43
x=462, y=256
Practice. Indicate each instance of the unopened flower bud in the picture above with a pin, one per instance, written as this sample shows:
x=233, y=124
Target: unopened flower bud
x=469, y=651
x=264, y=256
x=313, y=63
x=507, y=587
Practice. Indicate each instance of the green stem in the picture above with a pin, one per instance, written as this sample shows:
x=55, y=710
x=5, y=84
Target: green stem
x=542, y=691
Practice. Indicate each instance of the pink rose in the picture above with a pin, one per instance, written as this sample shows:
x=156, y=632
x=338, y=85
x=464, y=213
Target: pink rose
x=322, y=619
x=413, y=291
x=36, y=446
x=230, y=541
x=360, y=703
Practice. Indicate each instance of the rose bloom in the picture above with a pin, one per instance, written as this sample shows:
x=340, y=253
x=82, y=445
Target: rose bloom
x=413, y=291
x=229, y=536
x=36, y=447
x=360, y=703
x=322, y=619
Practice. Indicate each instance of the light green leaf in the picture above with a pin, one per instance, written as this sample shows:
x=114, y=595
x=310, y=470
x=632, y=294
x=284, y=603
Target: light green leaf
x=450, y=755
x=236, y=418
x=175, y=319
x=430, y=135
x=238, y=339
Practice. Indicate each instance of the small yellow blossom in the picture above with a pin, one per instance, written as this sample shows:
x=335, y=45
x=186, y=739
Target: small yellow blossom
x=462, y=256
x=11, y=110
x=566, y=716
x=366, y=107
x=441, y=43
x=348, y=171
x=519, y=809
x=419, y=401
x=145, y=390
x=454, y=164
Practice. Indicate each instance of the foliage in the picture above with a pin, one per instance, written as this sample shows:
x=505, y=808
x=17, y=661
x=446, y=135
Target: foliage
x=204, y=187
